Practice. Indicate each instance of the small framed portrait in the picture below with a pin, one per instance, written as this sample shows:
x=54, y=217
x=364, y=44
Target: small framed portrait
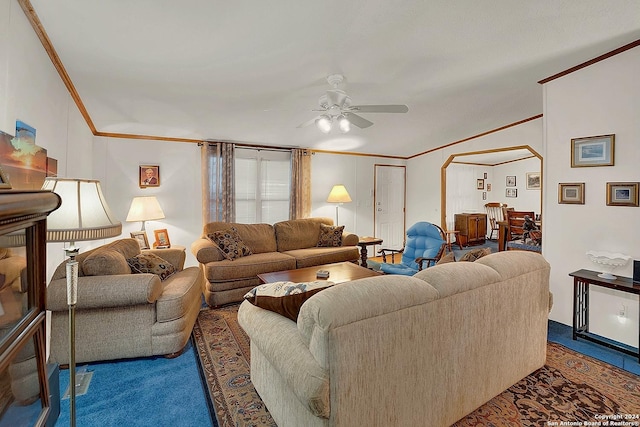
x=571, y=193
x=511, y=192
x=149, y=176
x=533, y=180
x=141, y=238
x=4, y=180
x=622, y=193
x=484, y=195
x=162, y=239
x=592, y=151
x=511, y=180
x=488, y=187
x=480, y=184
x=485, y=175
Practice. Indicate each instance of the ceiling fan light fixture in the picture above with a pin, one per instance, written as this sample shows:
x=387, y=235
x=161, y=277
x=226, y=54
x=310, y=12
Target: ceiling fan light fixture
x=344, y=124
x=324, y=123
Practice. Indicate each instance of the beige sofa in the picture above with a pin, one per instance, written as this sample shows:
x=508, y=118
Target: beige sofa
x=285, y=245
x=396, y=350
x=120, y=314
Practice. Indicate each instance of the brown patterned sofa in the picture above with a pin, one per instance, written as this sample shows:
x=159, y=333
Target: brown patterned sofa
x=285, y=245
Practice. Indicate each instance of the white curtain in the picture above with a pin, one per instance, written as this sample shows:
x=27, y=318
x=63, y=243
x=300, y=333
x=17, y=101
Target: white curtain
x=461, y=191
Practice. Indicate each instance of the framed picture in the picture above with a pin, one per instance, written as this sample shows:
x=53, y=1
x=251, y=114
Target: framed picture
x=488, y=187
x=141, y=238
x=162, y=238
x=484, y=195
x=533, y=180
x=571, y=193
x=511, y=180
x=149, y=176
x=592, y=151
x=485, y=175
x=622, y=193
x=511, y=192
x=480, y=184
x=4, y=181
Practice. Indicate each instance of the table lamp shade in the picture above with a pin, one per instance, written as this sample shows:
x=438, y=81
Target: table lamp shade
x=145, y=208
x=83, y=214
x=339, y=194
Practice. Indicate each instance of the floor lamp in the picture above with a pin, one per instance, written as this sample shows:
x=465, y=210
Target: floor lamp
x=338, y=195
x=83, y=215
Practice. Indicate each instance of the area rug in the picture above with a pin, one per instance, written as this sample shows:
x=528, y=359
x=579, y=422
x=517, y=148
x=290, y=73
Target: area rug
x=571, y=387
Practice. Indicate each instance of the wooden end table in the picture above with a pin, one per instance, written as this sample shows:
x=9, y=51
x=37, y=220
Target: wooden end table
x=363, y=243
x=338, y=273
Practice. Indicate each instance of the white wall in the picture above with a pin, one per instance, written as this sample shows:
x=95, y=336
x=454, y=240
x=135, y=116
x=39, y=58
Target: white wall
x=423, y=172
x=603, y=98
x=356, y=172
x=116, y=165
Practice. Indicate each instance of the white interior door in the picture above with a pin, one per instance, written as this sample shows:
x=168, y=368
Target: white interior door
x=389, y=205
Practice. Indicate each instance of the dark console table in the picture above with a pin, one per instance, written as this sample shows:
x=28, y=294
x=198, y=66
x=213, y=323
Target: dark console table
x=582, y=279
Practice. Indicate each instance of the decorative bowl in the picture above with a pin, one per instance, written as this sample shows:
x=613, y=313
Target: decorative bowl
x=610, y=259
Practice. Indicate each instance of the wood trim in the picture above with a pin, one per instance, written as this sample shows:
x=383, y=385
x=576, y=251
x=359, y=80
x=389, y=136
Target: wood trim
x=384, y=156
x=30, y=12
x=476, y=136
x=592, y=61
x=156, y=138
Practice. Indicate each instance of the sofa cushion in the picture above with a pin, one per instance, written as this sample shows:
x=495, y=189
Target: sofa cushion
x=105, y=262
x=259, y=237
x=285, y=298
x=299, y=233
x=316, y=256
x=150, y=263
x=248, y=267
x=475, y=254
x=330, y=236
x=230, y=243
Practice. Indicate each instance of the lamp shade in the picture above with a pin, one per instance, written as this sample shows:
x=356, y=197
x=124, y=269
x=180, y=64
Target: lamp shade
x=83, y=214
x=145, y=208
x=339, y=194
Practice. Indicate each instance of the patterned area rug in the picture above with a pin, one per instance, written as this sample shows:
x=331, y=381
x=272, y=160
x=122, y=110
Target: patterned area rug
x=571, y=387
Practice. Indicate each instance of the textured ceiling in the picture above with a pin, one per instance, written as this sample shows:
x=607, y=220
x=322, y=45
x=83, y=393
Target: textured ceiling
x=252, y=71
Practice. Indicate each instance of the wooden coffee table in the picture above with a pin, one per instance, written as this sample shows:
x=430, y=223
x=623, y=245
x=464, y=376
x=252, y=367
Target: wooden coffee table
x=338, y=273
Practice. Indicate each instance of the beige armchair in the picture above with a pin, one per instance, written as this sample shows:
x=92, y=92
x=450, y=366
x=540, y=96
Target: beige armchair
x=125, y=315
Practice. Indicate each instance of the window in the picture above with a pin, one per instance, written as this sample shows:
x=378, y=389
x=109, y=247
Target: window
x=262, y=181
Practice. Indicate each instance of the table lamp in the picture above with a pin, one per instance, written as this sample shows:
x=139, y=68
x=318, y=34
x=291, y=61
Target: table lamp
x=83, y=215
x=144, y=208
x=339, y=195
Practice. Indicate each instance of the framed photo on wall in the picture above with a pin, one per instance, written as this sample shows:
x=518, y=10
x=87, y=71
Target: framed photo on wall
x=162, y=238
x=511, y=192
x=149, y=176
x=571, y=193
x=592, y=151
x=511, y=181
x=141, y=238
x=533, y=180
x=622, y=193
x=480, y=184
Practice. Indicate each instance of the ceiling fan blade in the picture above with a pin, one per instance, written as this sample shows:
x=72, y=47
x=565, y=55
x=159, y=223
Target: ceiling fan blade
x=307, y=123
x=380, y=108
x=355, y=119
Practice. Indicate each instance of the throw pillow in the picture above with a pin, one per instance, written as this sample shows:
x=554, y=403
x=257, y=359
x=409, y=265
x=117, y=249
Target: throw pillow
x=475, y=254
x=330, y=236
x=450, y=257
x=105, y=262
x=285, y=298
x=230, y=243
x=150, y=263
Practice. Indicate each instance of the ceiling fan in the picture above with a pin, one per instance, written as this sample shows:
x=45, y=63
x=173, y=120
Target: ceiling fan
x=335, y=106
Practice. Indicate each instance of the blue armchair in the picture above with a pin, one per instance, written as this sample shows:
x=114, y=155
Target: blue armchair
x=425, y=242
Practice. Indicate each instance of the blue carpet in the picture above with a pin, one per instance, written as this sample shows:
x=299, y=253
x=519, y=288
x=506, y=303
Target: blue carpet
x=151, y=391
x=562, y=334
